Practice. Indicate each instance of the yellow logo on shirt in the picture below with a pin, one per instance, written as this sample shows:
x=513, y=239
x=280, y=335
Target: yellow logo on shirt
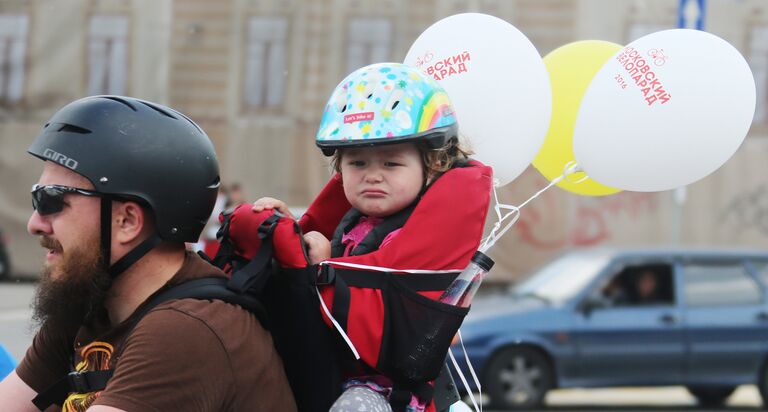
x=96, y=357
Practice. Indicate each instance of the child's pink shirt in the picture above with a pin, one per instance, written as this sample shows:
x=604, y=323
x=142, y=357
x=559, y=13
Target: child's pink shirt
x=356, y=235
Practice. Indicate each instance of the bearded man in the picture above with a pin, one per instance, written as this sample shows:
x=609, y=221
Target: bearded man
x=124, y=185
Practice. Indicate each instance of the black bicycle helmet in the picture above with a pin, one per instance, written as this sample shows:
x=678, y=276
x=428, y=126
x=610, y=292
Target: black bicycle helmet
x=132, y=148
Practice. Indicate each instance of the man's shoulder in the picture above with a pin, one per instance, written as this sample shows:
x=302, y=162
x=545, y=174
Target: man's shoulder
x=205, y=342
x=211, y=329
x=219, y=317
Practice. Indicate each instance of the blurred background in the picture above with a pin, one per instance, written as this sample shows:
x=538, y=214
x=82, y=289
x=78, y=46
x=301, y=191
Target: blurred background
x=255, y=74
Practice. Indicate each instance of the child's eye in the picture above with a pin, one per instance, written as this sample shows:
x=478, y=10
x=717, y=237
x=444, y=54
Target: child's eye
x=357, y=163
x=392, y=164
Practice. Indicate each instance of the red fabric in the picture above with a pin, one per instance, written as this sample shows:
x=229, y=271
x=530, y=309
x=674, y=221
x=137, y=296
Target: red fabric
x=442, y=233
x=326, y=211
x=210, y=247
x=244, y=234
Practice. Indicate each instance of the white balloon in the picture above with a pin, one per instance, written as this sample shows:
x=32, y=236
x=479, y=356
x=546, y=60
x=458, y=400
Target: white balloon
x=497, y=82
x=664, y=112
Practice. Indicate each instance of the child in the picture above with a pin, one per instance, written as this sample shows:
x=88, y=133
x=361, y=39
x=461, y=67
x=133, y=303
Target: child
x=408, y=189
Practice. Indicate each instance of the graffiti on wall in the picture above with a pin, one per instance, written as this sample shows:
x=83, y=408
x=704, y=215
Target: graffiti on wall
x=748, y=210
x=590, y=225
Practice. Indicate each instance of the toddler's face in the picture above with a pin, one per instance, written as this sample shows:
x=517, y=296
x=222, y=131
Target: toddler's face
x=380, y=181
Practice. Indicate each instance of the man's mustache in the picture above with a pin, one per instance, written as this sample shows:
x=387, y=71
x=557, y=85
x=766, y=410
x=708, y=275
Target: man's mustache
x=50, y=243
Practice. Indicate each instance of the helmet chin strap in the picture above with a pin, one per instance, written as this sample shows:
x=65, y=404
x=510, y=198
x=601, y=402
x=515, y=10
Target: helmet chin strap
x=106, y=243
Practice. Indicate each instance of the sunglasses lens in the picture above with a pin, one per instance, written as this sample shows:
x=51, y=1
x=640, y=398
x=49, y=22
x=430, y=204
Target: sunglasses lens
x=47, y=200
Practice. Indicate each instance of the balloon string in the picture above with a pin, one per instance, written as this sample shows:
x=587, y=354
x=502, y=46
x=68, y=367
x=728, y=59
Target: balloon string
x=514, y=211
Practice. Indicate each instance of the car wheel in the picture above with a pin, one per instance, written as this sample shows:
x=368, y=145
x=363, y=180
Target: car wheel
x=518, y=378
x=711, y=395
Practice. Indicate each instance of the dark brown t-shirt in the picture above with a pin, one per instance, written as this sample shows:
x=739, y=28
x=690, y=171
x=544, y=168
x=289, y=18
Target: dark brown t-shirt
x=188, y=354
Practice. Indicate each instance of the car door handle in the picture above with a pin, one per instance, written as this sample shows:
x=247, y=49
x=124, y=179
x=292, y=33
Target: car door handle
x=668, y=319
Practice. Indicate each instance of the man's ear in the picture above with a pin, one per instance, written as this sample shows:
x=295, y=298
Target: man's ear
x=128, y=221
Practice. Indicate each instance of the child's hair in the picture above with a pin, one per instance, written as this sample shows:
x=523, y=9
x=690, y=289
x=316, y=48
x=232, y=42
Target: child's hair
x=435, y=161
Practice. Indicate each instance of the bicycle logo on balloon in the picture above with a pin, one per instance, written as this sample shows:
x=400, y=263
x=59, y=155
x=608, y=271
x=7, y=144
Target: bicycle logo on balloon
x=420, y=61
x=658, y=56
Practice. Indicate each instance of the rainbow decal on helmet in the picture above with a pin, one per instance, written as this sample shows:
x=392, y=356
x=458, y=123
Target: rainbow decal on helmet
x=437, y=109
x=383, y=102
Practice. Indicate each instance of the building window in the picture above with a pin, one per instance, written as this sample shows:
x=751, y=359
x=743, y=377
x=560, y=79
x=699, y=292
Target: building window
x=107, y=54
x=13, y=45
x=758, y=61
x=368, y=41
x=266, y=65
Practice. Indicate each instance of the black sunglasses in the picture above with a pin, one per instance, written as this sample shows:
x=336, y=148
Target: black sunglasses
x=49, y=199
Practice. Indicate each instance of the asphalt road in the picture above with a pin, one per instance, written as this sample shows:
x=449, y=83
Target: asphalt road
x=16, y=333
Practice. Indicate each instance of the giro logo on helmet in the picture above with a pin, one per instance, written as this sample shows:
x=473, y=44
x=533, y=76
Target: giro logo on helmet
x=60, y=158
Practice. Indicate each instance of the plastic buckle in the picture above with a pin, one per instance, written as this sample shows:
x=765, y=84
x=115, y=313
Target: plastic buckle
x=78, y=382
x=326, y=275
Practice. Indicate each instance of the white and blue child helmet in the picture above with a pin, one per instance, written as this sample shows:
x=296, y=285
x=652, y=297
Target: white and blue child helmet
x=386, y=103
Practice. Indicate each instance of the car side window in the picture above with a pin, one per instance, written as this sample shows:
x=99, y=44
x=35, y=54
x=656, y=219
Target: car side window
x=719, y=284
x=640, y=285
x=761, y=267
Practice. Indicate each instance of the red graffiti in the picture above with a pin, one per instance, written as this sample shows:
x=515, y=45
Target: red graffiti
x=591, y=220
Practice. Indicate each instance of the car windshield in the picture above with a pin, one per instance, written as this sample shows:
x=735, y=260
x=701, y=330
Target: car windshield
x=562, y=278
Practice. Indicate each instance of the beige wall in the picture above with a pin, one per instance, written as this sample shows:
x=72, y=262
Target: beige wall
x=190, y=54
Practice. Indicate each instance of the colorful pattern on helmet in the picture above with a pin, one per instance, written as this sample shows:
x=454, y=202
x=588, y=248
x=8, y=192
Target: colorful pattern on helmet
x=382, y=103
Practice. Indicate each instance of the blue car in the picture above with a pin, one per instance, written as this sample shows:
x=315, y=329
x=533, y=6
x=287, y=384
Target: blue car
x=625, y=317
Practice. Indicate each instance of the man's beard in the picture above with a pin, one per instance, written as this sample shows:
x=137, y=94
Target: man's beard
x=72, y=291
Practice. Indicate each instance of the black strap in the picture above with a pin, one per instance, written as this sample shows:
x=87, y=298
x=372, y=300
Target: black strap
x=341, y=299
x=207, y=288
x=77, y=382
x=360, y=278
x=253, y=275
x=106, y=231
x=343, y=279
x=134, y=255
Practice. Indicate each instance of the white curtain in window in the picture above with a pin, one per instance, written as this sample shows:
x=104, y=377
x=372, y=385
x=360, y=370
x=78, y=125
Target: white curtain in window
x=369, y=41
x=107, y=54
x=265, y=65
x=13, y=45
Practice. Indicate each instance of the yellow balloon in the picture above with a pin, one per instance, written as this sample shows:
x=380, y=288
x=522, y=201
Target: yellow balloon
x=571, y=68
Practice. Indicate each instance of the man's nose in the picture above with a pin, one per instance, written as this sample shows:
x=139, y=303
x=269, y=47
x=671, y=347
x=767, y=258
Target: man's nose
x=38, y=225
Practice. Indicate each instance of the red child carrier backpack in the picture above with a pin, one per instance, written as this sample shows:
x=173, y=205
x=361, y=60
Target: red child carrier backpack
x=384, y=301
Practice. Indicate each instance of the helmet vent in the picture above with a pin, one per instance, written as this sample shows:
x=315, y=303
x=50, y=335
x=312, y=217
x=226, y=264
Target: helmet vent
x=159, y=110
x=119, y=100
x=190, y=120
x=216, y=183
x=73, y=129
